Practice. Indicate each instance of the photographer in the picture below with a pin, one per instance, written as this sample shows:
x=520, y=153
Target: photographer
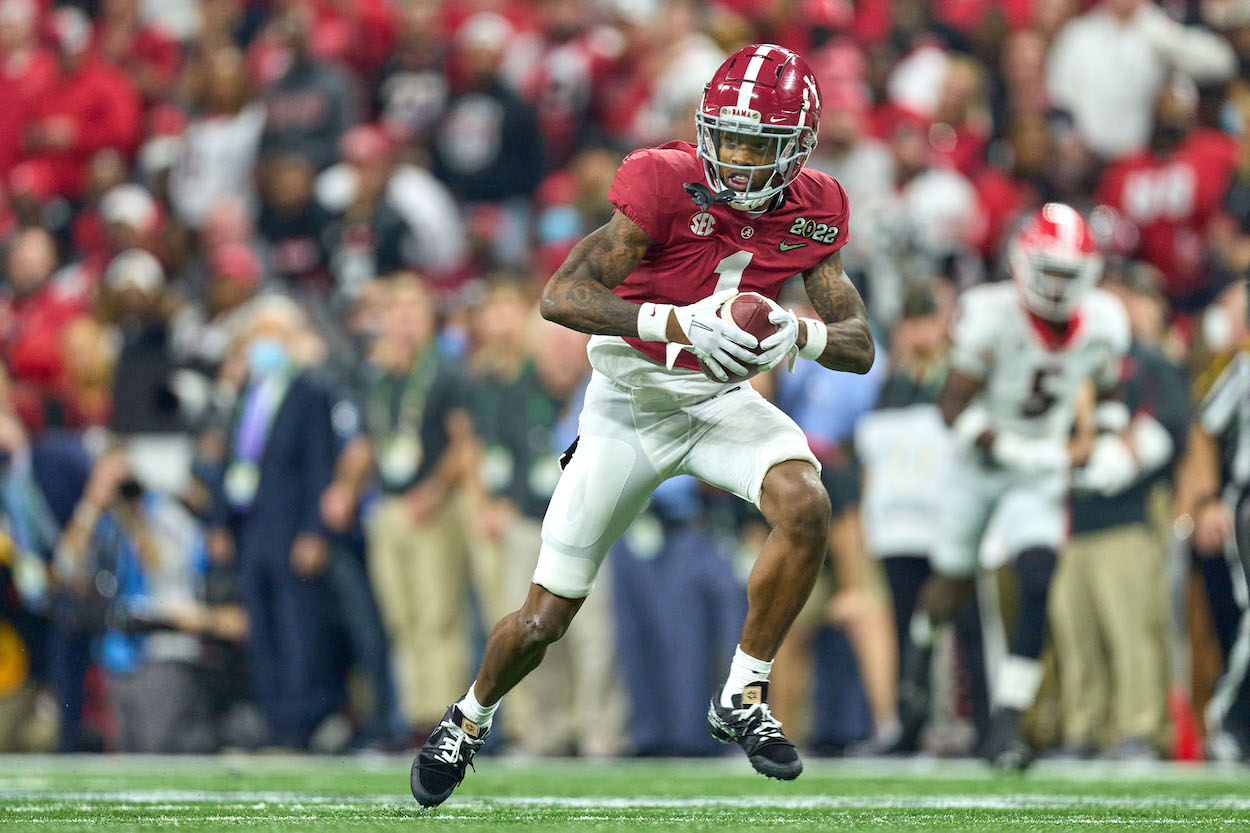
x=137, y=557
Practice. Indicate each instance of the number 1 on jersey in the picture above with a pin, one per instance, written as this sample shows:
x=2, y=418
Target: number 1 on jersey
x=730, y=270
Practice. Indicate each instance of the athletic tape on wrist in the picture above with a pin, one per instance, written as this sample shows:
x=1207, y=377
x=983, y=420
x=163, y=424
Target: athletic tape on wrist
x=817, y=338
x=653, y=321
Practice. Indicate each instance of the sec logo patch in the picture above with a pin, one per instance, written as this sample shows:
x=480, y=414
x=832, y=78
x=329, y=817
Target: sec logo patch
x=703, y=224
x=747, y=232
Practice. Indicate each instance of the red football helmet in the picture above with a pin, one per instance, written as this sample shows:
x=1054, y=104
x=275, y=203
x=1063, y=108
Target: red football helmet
x=763, y=95
x=1054, y=261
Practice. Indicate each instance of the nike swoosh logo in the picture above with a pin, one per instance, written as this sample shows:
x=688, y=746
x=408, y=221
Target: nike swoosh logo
x=786, y=247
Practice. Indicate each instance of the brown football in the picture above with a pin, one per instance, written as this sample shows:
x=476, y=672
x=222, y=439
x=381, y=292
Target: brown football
x=750, y=312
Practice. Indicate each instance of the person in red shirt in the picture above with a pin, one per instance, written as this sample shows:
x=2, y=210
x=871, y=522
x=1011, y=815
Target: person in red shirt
x=89, y=107
x=1169, y=192
x=146, y=55
x=26, y=73
x=692, y=226
x=32, y=320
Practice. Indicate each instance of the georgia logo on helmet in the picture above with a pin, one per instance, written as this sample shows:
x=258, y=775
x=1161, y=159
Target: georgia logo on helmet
x=765, y=91
x=1054, y=261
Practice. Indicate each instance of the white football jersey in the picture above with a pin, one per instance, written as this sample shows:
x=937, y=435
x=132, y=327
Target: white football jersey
x=1031, y=388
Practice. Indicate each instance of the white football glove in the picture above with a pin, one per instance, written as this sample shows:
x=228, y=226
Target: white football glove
x=720, y=344
x=1111, y=467
x=780, y=344
x=1030, y=455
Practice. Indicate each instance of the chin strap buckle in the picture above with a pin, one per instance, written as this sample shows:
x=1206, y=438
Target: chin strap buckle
x=704, y=198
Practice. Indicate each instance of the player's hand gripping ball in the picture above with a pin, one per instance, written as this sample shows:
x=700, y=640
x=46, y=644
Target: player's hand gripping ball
x=750, y=311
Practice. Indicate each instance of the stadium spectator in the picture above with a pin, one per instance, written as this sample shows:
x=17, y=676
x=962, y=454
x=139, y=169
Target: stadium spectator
x=418, y=447
x=927, y=226
x=1170, y=191
x=294, y=224
x=310, y=103
x=410, y=87
x=134, y=302
x=90, y=106
x=152, y=549
x=27, y=71
x=862, y=164
x=278, y=460
x=486, y=145
x=147, y=56
x=34, y=315
x=221, y=143
x=1107, y=609
x=367, y=235
x=1107, y=66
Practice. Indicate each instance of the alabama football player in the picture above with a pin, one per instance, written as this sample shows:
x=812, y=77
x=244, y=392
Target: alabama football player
x=1022, y=352
x=692, y=225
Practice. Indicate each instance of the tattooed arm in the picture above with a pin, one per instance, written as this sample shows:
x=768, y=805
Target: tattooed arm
x=579, y=295
x=838, y=304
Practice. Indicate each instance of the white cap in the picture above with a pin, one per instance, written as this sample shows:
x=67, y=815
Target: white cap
x=130, y=205
x=135, y=268
x=485, y=30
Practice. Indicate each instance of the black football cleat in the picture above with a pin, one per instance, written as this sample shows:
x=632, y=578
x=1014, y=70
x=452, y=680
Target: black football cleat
x=1005, y=747
x=751, y=725
x=440, y=765
x=915, y=697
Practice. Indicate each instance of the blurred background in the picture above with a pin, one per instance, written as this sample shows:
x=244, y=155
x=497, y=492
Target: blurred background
x=279, y=418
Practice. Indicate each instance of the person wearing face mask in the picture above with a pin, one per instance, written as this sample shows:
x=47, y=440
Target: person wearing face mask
x=278, y=460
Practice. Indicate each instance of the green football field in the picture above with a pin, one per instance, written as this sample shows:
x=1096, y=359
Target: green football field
x=371, y=793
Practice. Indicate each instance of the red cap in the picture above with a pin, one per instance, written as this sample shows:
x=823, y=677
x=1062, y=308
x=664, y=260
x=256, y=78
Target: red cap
x=235, y=262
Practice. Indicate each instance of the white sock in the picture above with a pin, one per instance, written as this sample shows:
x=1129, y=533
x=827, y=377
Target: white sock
x=744, y=669
x=475, y=711
x=1017, y=682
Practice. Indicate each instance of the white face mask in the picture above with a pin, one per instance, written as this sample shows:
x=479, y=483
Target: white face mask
x=1217, y=330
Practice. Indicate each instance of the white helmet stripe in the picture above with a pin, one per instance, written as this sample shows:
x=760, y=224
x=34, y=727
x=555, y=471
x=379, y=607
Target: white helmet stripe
x=748, y=77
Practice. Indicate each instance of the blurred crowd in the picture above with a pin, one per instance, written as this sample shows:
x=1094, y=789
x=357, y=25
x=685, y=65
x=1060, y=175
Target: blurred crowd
x=279, y=418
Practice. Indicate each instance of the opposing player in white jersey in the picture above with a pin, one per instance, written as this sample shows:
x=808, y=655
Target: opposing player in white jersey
x=1022, y=352
x=691, y=223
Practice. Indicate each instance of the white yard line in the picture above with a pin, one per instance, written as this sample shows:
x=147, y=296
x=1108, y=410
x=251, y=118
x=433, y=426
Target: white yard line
x=44, y=801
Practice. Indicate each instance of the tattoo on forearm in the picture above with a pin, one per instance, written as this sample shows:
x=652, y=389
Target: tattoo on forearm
x=579, y=295
x=838, y=304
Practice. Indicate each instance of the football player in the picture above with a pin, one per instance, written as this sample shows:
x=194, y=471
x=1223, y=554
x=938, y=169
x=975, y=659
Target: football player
x=692, y=225
x=1023, y=351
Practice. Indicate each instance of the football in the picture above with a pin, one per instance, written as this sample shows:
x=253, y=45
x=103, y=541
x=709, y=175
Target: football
x=749, y=310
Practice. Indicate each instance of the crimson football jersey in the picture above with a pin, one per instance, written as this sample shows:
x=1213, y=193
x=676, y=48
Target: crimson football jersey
x=695, y=253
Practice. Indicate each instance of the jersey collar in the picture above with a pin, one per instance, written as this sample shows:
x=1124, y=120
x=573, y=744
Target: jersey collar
x=1046, y=334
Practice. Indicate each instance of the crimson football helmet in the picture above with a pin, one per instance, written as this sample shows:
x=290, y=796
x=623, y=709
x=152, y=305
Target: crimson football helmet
x=761, y=94
x=1054, y=261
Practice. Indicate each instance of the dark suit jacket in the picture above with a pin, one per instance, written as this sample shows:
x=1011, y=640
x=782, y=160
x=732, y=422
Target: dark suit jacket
x=295, y=467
